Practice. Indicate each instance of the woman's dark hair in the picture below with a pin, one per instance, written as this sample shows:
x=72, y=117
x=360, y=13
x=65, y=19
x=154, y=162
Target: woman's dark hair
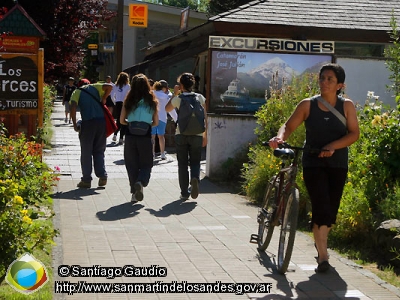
x=338, y=70
x=140, y=89
x=187, y=80
x=122, y=79
x=157, y=86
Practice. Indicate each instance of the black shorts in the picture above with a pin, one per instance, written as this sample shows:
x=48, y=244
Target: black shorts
x=109, y=102
x=325, y=188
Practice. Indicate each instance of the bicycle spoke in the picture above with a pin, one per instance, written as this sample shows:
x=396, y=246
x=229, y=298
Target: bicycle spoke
x=266, y=214
x=288, y=231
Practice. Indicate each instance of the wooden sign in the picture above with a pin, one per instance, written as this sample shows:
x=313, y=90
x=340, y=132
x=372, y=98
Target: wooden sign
x=21, y=91
x=12, y=43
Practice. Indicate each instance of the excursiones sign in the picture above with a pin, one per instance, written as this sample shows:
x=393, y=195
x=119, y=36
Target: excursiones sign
x=271, y=44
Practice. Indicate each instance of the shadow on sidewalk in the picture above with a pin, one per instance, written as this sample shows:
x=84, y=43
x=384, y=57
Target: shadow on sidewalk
x=119, y=212
x=331, y=280
x=75, y=194
x=178, y=207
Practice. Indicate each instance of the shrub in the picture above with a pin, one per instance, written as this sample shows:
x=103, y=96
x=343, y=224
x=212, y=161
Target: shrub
x=270, y=117
x=25, y=186
x=44, y=134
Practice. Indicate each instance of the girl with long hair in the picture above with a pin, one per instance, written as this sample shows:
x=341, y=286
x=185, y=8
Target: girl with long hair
x=140, y=105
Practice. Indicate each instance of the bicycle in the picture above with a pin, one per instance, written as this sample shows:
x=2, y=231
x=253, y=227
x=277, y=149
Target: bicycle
x=281, y=205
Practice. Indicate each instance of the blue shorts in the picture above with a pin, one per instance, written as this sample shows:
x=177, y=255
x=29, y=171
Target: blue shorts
x=159, y=129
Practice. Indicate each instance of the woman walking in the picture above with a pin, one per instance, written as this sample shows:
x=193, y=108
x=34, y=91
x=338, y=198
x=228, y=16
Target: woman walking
x=139, y=112
x=118, y=93
x=325, y=174
x=163, y=95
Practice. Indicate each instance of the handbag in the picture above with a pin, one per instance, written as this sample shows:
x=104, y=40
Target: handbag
x=111, y=126
x=138, y=128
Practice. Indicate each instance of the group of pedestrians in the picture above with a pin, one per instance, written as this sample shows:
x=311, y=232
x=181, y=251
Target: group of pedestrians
x=330, y=123
x=141, y=112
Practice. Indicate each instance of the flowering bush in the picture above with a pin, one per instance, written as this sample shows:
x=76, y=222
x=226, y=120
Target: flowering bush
x=25, y=186
x=270, y=117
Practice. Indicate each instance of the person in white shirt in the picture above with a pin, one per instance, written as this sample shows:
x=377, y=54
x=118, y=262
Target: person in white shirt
x=118, y=94
x=110, y=103
x=163, y=95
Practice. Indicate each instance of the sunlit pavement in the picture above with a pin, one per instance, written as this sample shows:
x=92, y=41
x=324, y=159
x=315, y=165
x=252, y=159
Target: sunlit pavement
x=205, y=240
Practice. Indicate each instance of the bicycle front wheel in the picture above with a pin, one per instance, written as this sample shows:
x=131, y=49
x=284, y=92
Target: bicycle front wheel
x=288, y=230
x=266, y=214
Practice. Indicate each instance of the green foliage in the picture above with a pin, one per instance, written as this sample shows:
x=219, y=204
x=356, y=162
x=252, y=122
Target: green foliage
x=192, y=4
x=270, y=117
x=44, y=134
x=375, y=167
x=230, y=169
x=392, y=54
x=25, y=186
x=354, y=220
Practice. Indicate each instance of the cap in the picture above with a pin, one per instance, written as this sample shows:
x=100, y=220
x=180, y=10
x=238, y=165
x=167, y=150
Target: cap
x=71, y=78
x=83, y=81
x=163, y=83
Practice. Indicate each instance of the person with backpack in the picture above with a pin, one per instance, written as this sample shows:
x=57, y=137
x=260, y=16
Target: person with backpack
x=191, y=133
x=92, y=129
x=139, y=112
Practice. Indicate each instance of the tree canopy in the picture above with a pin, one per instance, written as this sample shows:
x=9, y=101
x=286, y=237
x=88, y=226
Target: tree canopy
x=200, y=5
x=67, y=24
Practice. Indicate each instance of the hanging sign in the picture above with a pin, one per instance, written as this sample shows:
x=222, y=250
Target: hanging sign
x=138, y=15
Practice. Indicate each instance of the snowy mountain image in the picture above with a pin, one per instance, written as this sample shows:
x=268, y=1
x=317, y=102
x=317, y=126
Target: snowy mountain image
x=273, y=65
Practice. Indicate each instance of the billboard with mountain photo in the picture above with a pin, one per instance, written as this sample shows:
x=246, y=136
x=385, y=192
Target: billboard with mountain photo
x=240, y=81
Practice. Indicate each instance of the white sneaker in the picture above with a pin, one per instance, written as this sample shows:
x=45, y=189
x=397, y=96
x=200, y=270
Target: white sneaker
x=114, y=139
x=133, y=199
x=163, y=156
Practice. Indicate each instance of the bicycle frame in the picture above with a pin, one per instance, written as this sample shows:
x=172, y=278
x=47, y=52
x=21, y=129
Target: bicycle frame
x=281, y=206
x=285, y=184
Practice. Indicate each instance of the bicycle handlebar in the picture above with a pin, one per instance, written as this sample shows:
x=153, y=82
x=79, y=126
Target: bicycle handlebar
x=287, y=146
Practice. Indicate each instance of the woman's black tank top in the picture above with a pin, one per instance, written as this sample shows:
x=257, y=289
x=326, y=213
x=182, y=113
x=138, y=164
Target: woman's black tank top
x=323, y=127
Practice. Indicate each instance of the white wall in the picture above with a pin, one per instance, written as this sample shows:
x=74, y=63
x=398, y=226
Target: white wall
x=363, y=75
x=226, y=135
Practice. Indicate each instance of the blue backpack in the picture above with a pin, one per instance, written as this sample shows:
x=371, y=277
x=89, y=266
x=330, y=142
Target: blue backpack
x=191, y=119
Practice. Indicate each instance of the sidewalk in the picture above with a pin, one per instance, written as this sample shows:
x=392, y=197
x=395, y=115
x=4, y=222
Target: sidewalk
x=198, y=241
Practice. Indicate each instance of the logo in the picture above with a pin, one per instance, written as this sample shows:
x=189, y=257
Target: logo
x=138, y=11
x=138, y=15
x=27, y=274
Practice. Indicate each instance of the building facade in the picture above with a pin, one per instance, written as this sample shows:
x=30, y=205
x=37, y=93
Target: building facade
x=236, y=52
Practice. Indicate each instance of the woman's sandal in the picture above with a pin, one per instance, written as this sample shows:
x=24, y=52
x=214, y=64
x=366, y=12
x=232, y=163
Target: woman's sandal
x=322, y=267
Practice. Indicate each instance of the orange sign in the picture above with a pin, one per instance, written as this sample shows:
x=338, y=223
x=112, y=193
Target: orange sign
x=138, y=15
x=20, y=44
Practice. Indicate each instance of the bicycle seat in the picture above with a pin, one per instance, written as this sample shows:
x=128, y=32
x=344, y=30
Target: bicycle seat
x=284, y=153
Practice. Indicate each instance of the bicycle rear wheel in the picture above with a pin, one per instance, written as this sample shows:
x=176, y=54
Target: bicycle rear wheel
x=288, y=230
x=265, y=216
